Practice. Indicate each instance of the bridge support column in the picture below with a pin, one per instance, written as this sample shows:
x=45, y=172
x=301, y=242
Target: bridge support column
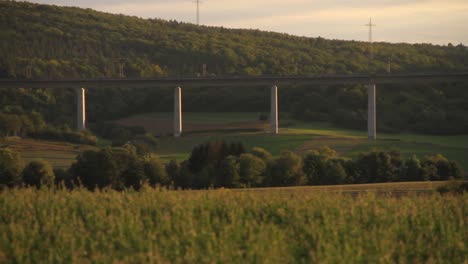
x=274, y=110
x=371, y=113
x=81, y=110
x=177, y=112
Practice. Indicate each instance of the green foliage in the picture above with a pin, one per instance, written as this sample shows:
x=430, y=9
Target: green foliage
x=229, y=172
x=439, y=167
x=39, y=173
x=453, y=187
x=120, y=135
x=116, y=168
x=286, y=170
x=375, y=166
x=155, y=172
x=413, y=171
x=261, y=153
x=321, y=167
x=51, y=133
x=11, y=166
x=251, y=170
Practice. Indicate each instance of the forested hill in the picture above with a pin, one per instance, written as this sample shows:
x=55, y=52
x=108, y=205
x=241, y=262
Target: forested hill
x=43, y=41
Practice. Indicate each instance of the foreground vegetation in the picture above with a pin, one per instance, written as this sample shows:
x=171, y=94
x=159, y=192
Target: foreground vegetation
x=224, y=226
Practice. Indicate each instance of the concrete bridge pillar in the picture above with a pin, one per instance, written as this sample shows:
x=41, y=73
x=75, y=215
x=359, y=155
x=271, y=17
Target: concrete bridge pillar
x=81, y=110
x=371, y=113
x=177, y=112
x=274, y=110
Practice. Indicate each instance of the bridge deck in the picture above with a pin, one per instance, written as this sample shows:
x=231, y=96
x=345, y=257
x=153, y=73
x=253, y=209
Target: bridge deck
x=237, y=81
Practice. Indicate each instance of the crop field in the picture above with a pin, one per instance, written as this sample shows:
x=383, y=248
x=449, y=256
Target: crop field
x=59, y=154
x=300, y=225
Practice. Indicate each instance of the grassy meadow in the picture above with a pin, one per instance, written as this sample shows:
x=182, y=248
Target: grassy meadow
x=230, y=226
x=297, y=136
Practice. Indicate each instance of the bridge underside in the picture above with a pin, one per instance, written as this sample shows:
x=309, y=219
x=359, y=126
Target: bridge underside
x=236, y=81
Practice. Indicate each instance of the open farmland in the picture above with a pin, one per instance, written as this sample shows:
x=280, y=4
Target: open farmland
x=227, y=226
x=59, y=154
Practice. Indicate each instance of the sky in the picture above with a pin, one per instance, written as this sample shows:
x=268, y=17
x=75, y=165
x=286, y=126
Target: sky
x=411, y=21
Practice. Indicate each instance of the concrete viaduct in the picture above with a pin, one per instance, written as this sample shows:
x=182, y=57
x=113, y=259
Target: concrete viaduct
x=273, y=81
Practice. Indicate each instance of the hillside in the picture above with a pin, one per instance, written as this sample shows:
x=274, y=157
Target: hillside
x=44, y=41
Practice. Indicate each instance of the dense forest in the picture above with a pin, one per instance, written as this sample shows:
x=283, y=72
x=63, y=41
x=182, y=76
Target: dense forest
x=50, y=42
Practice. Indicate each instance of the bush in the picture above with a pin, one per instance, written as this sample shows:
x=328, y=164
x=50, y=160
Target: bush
x=64, y=178
x=286, y=170
x=11, y=166
x=376, y=166
x=261, y=153
x=155, y=172
x=229, y=173
x=320, y=167
x=118, y=134
x=454, y=187
x=413, y=171
x=251, y=170
x=82, y=137
x=172, y=170
x=114, y=167
x=39, y=173
x=145, y=144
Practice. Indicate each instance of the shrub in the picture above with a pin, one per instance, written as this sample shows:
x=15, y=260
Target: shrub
x=11, y=166
x=82, y=137
x=376, y=166
x=454, y=187
x=320, y=167
x=39, y=173
x=251, y=170
x=114, y=167
x=413, y=171
x=286, y=170
x=155, y=172
x=172, y=170
x=229, y=172
x=261, y=153
x=64, y=178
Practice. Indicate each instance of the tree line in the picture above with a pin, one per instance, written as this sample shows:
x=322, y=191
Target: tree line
x=45, y=41
x=218, y=164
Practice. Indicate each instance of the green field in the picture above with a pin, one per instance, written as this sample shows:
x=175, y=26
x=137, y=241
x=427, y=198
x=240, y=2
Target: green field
x=301, y=136
x=299, y=225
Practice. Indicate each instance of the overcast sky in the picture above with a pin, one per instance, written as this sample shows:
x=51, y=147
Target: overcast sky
x=412, y=21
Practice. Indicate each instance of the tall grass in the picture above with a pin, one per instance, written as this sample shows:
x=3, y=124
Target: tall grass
x=223, y=226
